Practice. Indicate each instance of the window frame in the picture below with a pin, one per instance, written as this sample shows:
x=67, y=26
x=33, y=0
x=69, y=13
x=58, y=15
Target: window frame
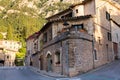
x=50, y=34
x=109, y=36
x=57, y=58
x=77, y=11
x=107, y=16
x=78, y=27
x=45, y=37
x=95, y=55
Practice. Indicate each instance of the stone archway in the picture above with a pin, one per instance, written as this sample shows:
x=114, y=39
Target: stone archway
x=49, y=62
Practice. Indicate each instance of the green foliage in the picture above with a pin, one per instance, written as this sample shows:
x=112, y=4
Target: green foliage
x=10, y=33
x=19, y=62
x=19, y=25
x=20, y=55
x=1, y=36
x=4, y=2
x=22, y=50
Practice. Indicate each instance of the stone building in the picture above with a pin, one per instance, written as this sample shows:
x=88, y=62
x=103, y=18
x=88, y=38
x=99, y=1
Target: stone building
x=8, y=50
x=32, y=48
x=79, y=38
x=1, y=57
x=115, y=27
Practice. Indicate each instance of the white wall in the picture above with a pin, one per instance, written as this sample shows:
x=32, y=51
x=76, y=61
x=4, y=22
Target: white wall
x=80, y=9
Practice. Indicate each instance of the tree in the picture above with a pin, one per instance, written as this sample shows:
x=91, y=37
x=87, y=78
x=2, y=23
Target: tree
x=1, y=36
x=10, y=33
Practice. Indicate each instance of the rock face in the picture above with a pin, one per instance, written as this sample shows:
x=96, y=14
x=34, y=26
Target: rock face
x=37, y=7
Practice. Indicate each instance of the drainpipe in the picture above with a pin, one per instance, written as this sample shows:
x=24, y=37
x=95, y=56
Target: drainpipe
x=93, y=42
x=93, y=50
x=67, y=58
x=110, y=10
x=61, y=58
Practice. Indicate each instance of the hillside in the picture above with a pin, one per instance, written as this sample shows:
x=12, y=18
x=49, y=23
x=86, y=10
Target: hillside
x=21, y=18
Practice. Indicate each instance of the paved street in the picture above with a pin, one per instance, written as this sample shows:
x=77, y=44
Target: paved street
x=107, y=72
x=21, y=74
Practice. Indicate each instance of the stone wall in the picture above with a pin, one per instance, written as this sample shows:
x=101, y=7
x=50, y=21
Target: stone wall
x=80, y=56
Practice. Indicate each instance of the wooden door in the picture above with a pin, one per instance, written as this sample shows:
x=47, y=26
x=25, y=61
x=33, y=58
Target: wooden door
x=115, y=48
x=49, y=62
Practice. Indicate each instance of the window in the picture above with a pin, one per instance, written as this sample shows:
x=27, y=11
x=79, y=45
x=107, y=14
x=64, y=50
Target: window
x=99, y=40
x=117, y=36
x=41, y=43
x=76, y=10
x=35, y=46
x=61, y=0
x=109, y=36
x=107, y=16
x=78, y=27
x=50, y=34
x=31, y=63
x=95, y=54
x=57, y=57
x=7, y=57
x=45, y=37
x=62, y=16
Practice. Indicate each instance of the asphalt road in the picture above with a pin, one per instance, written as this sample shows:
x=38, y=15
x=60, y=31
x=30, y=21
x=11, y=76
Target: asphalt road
x=21, y=73
x=108, y=72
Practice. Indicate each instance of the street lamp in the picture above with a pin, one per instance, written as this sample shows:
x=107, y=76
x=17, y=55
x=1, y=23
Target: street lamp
x=65, y=23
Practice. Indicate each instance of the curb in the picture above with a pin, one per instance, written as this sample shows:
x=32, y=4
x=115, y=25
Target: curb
x=44, y=73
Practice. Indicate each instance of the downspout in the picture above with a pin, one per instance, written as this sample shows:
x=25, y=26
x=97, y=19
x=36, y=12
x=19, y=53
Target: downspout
x=93, y=42
x=67, y=58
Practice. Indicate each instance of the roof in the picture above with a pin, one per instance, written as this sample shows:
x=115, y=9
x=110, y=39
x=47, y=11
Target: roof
x=59, y=13
x=61, y=19
x=70, y=8
x=65, y=19
x=80, y=3
x=34, y=35
x=45, y=26
x=72, y=18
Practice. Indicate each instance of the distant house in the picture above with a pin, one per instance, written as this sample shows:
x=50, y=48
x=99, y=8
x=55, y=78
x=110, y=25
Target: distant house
x=8, y=50
x=78, y=39
x=32, y=48
x=2, y=60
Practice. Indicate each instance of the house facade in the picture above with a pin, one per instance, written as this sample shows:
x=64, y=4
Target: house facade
x=78, y=39
x=8, y=50
x=32, y=48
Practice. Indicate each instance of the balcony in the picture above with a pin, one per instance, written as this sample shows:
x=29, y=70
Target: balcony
x=66, y=34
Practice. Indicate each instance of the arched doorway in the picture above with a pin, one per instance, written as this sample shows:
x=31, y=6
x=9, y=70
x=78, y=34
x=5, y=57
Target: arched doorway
x=49, y=62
